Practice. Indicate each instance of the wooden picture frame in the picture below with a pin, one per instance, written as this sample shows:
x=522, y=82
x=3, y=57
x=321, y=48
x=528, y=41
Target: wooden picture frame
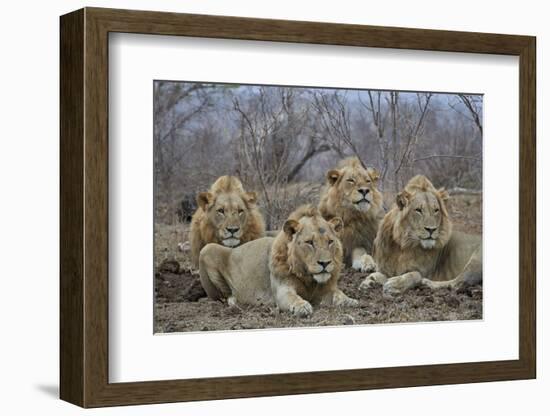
x=84, y=207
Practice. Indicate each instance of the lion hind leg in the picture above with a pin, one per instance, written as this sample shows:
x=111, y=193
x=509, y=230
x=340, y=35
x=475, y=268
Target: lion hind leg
x=361, y=261
x=212, y=280
x=470, y=276
x=398, y=285
x=196, y=245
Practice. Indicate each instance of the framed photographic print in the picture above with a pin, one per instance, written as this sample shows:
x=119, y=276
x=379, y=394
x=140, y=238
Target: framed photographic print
x=256, y=207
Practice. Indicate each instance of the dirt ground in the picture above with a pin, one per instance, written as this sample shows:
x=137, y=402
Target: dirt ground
x=181, y=305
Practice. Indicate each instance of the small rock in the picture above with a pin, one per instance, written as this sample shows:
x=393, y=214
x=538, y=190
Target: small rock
x=185, y=246
x=348, y=320
x=234, y=310
x=169, y=266
x=170, y=328
x=476, y=293
x=452, y=301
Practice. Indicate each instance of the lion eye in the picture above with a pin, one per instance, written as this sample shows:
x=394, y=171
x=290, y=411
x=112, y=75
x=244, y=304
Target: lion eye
x=419, y=210
x=310, y=242
x=221, y=211
x=241, y=211
x=330, y=242
x=436, y=210
x=350, y=180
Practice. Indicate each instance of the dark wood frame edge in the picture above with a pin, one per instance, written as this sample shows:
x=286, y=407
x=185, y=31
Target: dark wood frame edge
x=84, y=207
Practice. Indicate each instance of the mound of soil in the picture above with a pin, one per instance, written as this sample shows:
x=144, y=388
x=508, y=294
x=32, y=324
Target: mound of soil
x=173, y=284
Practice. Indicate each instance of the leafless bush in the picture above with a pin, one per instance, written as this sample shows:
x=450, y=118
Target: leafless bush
x=281, y=140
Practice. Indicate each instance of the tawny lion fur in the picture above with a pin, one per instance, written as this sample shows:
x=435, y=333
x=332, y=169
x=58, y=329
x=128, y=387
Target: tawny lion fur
x=295, y=270
x=339, y=199
x=225, y=205
x=416, y=244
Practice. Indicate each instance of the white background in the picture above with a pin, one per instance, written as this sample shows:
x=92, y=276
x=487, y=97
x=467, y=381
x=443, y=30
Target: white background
x=136, y=355
x=29, y=209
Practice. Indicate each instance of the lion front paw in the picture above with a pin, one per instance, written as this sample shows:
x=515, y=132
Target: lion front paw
x=302, y=309
x=341, y=299
x=367, y=284
x=365, y=264
x=371, y=281
x=429, y=284
x=350, y=302
x=232, y=302
x=400, y=284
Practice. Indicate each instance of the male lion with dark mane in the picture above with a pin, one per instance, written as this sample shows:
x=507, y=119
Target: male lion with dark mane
x=295, y=270
x=351, y=194
x=416, y=244
x=226, y=215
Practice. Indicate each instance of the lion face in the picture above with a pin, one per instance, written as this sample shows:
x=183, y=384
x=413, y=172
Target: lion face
x=229, y=213
x=355, y=184
x=315, y=247
x=423, y=220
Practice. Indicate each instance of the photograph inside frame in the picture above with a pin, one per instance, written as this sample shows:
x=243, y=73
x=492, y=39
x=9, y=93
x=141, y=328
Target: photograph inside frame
x=291, y=206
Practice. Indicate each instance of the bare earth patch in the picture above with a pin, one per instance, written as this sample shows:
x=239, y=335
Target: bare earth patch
x=181, y=305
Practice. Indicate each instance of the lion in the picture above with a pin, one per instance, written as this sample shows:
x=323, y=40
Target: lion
x=295, y=270
x=351, y=194
x=226, y=215
x=416, y=245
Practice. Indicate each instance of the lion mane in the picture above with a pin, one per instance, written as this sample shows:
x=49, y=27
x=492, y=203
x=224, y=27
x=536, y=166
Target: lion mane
x=226, y=215
x=416, y=244
x=286, y=261
x=298, y=268
x=338, y=199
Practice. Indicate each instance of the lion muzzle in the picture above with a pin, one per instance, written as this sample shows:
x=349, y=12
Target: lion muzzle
x=321, y=277
x=362, y=204
x=231, y=242
x=427, y=243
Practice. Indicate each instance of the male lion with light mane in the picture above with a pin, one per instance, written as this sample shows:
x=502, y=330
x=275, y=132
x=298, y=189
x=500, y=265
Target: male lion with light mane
x=295, y=270
x=351, y=194
x=226, y=215
x=416, y=244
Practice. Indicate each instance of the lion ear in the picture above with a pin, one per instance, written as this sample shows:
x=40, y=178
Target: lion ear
x=290, y=228
x=250, y=197
x=337, y=224
x=402, y=199
x=332, y=176
x=443, y=194
x=204, y=198
x=374, y=174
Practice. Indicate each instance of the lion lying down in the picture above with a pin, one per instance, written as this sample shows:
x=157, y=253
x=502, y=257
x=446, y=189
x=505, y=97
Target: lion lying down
x=295, y=270
x=415, y=244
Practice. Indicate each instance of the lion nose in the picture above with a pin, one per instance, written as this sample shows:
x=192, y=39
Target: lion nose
x=324, y=264
x=232, y=230
x=430, y=229
x=363, y=191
